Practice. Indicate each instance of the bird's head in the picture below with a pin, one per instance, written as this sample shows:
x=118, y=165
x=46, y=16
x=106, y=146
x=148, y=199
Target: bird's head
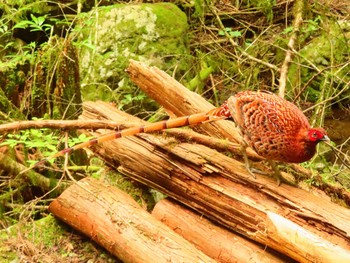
x=317, y=135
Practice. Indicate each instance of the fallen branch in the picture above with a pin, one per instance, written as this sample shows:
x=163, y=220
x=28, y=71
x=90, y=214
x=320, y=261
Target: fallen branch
x=10, y=166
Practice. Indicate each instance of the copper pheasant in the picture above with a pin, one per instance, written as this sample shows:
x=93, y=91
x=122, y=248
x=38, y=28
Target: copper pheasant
x=275, y=128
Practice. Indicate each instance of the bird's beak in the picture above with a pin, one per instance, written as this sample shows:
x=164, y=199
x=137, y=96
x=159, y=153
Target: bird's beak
x=325, y=138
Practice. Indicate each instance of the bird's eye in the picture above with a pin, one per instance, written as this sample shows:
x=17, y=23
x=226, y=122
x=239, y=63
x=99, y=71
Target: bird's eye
x=315, y=135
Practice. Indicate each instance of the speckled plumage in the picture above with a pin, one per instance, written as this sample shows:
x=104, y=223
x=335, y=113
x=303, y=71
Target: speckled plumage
x=275, y=128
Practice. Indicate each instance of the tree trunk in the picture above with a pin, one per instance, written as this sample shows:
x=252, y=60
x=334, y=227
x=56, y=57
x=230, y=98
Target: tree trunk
x=115, y=221
x=290, y=220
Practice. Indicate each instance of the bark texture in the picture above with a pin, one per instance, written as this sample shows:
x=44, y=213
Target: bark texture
x=115, y=221
x=217, y=242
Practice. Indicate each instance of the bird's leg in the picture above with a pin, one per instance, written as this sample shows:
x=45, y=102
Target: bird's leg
x=245, y=157
x=277, y=173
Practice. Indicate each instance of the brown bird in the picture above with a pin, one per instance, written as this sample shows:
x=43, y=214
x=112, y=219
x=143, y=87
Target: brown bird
x=275, y=128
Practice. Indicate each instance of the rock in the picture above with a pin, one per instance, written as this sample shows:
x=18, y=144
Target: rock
x=111, y=35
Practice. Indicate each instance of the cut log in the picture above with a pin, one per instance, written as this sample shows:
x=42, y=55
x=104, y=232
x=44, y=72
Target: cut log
x=115, y=221
x=220, y=188
x=218, y=243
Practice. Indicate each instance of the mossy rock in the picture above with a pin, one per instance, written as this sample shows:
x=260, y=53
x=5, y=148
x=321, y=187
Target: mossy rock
x=110, y=36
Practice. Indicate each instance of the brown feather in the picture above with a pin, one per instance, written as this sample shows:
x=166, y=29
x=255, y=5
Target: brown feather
x=275, y=128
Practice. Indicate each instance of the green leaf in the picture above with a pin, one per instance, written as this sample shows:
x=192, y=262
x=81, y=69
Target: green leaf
x=221, y=33
x=235, y=34
x=23, y=24
x=287, y=30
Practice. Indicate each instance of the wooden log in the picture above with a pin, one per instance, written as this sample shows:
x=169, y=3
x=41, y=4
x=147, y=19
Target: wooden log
x=115, y=221
x=170, y=94
x=220, y=188
x=216, y=242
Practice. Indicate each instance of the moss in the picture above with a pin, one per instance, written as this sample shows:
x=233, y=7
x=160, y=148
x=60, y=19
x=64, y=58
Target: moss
x=151, y=33
x=46, y=232
x=140, y=193
x=326, y=52
x=56, y=87
x=7, y=106
x=48, y=240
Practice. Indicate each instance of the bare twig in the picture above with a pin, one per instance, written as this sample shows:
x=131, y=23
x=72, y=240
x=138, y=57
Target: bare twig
x=299, y=6
x=235, y=45
x=58, y=124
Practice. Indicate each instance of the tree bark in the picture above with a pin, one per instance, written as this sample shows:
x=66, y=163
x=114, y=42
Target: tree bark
x=115, y=221
x=218, y=243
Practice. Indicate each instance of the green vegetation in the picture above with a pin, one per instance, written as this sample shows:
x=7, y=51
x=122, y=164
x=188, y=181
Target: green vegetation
x=42, y=139
x=53, y=56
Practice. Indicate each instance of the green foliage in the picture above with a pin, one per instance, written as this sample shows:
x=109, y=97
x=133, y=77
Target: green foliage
x=36, y=24
x=312, y=25
x=42, y=139
x=265, y=6
x=198, y=82
x=230, y=32
x=76, y=140
x=129, y=99
x=199, y=8
x=32, y=138
x=26, y=30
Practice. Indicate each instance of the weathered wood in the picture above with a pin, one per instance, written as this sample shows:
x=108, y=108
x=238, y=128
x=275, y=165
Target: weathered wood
x=215, y=241
x=222, y=189
x=115, y=221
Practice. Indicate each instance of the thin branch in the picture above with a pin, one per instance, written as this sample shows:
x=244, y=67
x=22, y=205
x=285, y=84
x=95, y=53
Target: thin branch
x=235, y=45
x=59, y=124
x=299, y=6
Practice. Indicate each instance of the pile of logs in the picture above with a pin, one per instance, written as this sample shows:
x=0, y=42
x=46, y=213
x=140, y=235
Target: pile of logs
x=216, y=211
